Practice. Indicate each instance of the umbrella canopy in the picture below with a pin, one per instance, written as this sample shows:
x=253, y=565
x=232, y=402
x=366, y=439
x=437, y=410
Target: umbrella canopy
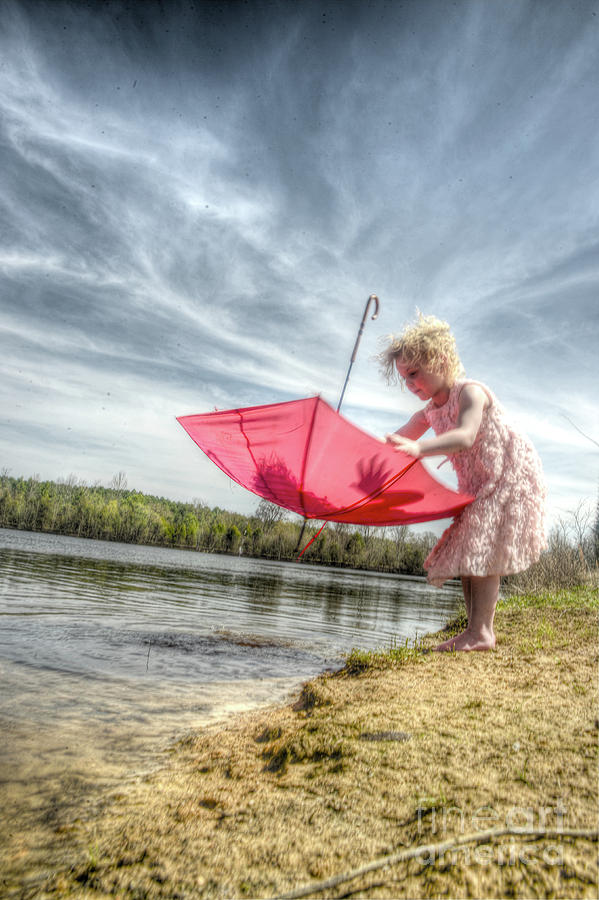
x=304, y=456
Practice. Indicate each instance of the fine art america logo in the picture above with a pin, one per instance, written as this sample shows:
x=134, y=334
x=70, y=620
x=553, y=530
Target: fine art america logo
x=441, y=822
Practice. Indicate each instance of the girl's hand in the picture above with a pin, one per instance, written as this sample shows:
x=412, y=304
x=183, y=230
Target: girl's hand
x=405, y=445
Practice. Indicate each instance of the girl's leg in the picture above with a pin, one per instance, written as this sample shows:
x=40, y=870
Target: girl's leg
x=467, y=589
x=479, y=635
x=485, y=593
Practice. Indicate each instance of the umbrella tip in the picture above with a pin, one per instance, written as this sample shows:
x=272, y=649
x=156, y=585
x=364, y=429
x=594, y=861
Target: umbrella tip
x=376, y=305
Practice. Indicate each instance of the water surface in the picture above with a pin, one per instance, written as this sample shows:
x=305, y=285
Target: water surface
x=109, y=652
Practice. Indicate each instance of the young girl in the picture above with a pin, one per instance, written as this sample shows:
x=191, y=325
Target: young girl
x=502, y=530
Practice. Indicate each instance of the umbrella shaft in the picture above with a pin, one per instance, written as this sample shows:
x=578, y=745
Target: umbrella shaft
x=373, y=297
x=301, y=535
x=345, y=384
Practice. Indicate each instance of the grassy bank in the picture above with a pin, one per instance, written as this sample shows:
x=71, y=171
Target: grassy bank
x=400, y=749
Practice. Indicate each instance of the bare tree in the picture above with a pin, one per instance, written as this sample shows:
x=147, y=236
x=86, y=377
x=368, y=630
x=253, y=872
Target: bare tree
x=399, y=535
x=119, y=482
x=583, y=433
x=581, y=528
x=269, y=514
x=367, y=532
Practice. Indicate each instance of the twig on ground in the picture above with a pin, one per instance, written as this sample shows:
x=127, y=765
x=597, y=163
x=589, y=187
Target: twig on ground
x=434, y=850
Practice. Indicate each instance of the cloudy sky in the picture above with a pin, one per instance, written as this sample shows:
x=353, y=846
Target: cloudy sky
x=198, y=198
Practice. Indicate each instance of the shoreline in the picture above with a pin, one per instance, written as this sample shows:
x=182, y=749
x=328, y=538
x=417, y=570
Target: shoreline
x=230, y=554
x=403, y=753
x=454, y=582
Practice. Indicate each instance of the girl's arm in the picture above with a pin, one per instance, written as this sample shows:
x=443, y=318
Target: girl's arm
x=472, y=403
x=414, y=427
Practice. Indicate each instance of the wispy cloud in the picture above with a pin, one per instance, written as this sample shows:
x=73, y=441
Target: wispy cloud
x=198, y=202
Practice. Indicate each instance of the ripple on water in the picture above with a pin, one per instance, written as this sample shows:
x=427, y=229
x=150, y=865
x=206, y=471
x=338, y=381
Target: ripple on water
x=110, y=652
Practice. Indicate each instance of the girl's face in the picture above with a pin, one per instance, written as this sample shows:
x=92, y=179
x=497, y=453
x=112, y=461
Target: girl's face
x=426, y=385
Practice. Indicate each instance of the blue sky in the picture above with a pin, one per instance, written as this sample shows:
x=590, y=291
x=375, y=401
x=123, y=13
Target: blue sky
x=197, y=199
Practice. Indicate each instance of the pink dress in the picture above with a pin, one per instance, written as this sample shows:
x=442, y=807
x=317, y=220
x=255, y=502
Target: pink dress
x=503, y=529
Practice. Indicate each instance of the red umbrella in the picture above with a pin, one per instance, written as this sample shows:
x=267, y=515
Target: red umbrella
x=306, y=457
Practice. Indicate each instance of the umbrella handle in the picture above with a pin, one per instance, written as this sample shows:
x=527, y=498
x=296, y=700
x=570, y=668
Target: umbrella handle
x=363, y=322
x=373, y=297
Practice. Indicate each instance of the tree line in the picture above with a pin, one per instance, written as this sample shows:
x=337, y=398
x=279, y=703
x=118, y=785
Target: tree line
x=115, y=513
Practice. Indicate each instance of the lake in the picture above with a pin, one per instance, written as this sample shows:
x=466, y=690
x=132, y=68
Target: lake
x=111, y=652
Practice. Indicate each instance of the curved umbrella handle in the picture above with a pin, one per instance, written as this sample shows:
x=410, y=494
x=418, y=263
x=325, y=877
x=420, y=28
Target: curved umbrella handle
x=373, y=297
x=376, y=307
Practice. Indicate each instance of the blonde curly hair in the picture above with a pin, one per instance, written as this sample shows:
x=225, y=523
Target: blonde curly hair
x=427, y=342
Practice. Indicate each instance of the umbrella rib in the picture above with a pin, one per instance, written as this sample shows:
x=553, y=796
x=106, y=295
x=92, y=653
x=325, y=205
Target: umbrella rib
x=372, y=496
x=305, y=459
x=336, y=512
x=253, y=458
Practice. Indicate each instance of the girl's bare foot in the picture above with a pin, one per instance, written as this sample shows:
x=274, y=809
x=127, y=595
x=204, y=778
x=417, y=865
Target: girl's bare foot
x=480, y=597
x=468, y=640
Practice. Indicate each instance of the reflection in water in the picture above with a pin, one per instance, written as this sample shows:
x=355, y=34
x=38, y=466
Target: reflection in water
x=109, y=652
x=93, y=608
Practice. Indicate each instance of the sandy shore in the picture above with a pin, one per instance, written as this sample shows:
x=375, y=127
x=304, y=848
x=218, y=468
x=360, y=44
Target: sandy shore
x=409, y=751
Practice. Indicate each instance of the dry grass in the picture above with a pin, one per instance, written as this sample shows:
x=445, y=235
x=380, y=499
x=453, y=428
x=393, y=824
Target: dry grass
x=416, y=749
x=571, y=558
